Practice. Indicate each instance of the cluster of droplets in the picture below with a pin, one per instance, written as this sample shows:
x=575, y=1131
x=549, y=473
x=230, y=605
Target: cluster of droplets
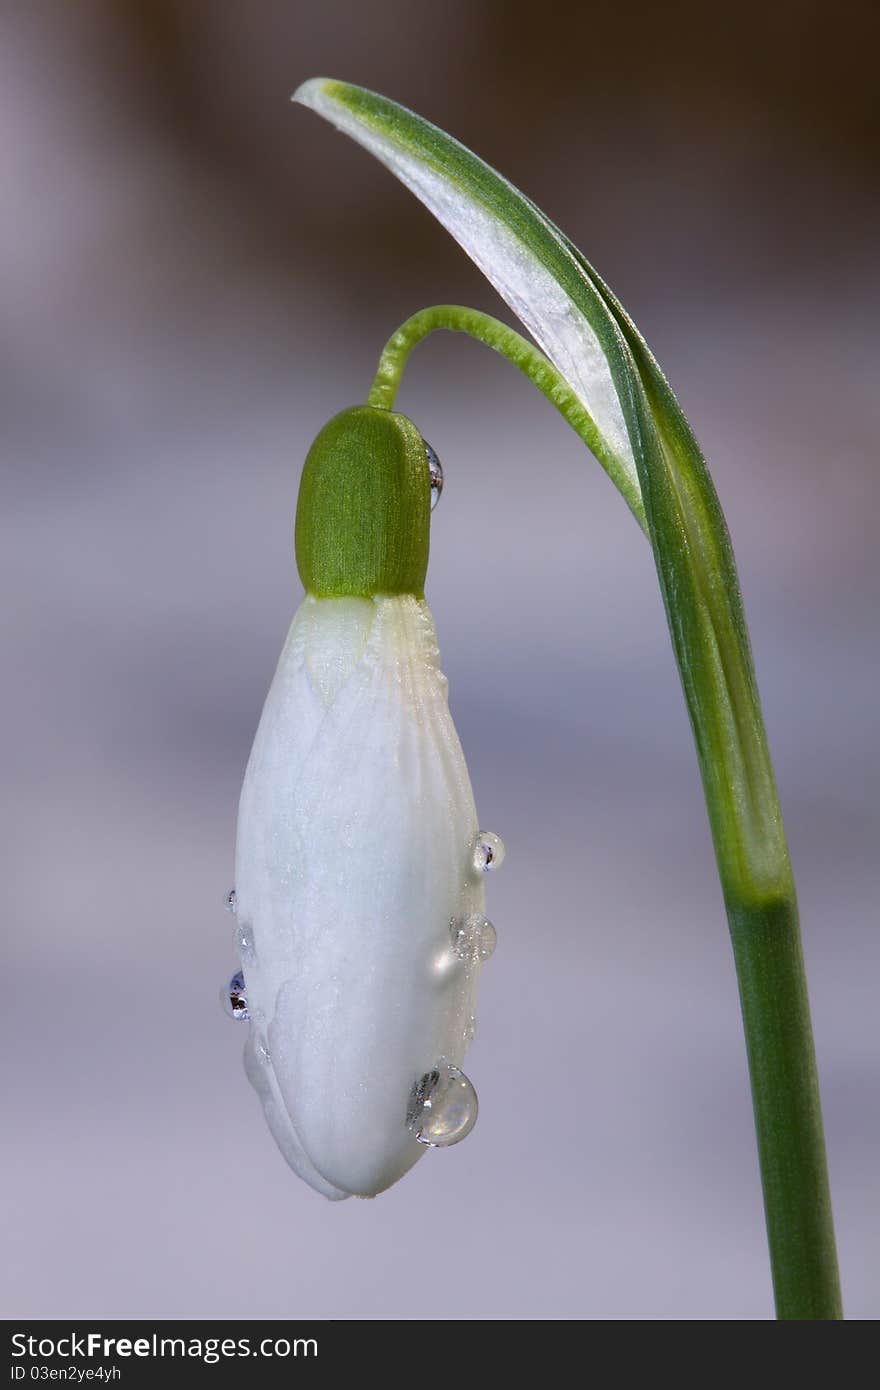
x=443, y=1104
x=233, y=995
x=473, y=937
x=442, y=1108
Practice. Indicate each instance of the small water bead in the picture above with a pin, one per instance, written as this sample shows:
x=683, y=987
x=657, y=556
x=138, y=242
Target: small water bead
x=233, y=997
x=489, y=852
x=435, y=472
x=475, y=938
x=442, y=1107
x=244, y=940
x=231, y=903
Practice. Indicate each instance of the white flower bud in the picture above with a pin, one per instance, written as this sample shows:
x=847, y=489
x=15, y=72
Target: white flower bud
x=355, y=871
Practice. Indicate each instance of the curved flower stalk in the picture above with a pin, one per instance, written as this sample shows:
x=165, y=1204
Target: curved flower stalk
x=359, y=863
x=598, y=370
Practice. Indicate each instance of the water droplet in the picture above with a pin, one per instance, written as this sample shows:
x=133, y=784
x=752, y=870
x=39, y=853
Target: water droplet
x=443, y=1106
x=231, y=903
x=244, y=940
x=233, y=997
x=474, y=938
x=435, y=471
x=489, y=852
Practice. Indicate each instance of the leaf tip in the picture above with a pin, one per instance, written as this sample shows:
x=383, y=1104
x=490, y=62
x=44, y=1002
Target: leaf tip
x=315, y=92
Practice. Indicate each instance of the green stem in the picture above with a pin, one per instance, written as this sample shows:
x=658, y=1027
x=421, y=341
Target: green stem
x=788, y=1116
x=524, y=356
x=743, y=810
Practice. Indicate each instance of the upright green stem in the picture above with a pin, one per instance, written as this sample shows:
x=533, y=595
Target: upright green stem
x=788, y=1116
x=711, y=647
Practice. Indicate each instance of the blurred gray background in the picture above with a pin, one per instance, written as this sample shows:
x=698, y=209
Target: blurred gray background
x=195, y=276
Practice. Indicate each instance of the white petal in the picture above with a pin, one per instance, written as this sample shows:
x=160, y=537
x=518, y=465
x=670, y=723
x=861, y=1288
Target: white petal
x=356, y=828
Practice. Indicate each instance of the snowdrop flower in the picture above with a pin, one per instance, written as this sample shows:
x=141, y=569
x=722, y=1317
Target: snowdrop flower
x=359, y=887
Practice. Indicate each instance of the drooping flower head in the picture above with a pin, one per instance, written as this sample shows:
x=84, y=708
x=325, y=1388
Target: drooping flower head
x=359, y=886
x=351, y=965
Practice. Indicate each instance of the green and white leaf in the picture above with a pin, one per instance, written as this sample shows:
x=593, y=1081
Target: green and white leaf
x=644, y=443
x=511, y=242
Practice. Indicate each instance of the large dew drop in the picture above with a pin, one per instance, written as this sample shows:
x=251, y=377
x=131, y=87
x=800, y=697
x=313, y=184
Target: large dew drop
x=443, y=1107
x=234, y=999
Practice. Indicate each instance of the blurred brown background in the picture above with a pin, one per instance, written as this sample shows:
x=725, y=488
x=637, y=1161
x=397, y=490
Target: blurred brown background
x=195, y=276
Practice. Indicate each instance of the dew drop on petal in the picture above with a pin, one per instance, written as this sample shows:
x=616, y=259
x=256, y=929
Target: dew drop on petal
x=442, y=1107
x=474, y=938
x=231, y=903
x=488, y=852
x=435, y=472
x=234, y=998
x=244, y=940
